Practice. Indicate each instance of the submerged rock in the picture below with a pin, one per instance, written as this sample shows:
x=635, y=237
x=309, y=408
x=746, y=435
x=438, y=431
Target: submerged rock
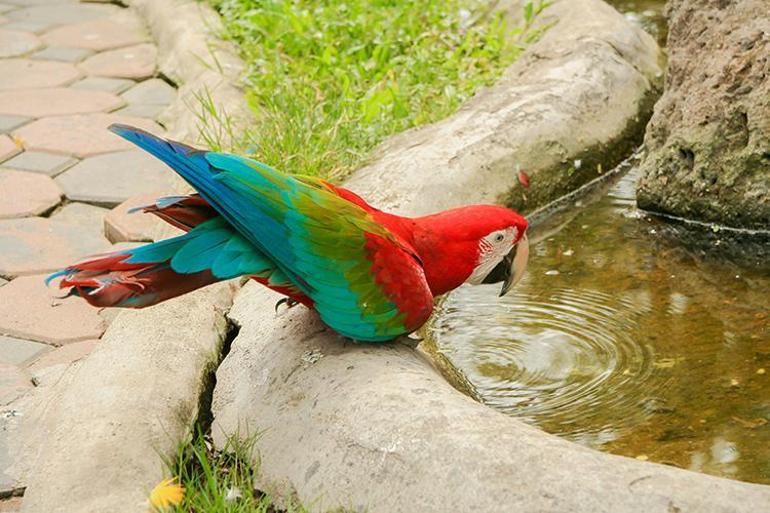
x=709, y=138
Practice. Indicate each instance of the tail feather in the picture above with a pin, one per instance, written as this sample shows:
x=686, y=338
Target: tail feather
x=183, y=212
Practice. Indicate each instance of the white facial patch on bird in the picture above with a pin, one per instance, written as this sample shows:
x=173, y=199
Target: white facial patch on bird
x=492, y=249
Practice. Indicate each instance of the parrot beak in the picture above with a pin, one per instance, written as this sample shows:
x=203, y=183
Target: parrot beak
x=514, y=264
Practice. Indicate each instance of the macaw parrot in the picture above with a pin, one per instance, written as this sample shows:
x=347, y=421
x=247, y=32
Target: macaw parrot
x=371, y=276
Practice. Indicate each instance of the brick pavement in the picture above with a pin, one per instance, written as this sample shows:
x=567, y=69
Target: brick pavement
x=67, y=71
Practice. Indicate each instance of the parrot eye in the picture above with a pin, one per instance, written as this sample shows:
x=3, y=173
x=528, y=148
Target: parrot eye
x=499, y=237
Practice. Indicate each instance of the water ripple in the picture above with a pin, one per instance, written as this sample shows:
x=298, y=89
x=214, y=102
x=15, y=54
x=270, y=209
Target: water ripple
x=561, y=359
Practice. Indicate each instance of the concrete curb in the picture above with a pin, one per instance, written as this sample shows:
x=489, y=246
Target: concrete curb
x=376, y=428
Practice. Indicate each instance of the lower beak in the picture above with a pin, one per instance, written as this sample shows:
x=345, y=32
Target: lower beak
x=515, y=263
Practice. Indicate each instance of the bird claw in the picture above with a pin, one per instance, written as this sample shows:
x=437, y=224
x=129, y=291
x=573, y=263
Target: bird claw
x=289, y=302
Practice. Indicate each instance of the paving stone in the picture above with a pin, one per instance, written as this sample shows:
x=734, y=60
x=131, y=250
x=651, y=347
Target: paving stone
x=58, y=53
x=17, y=351
x=120, y=226
x=56, y=101
x=12, y=505
x=4, y=8
x=35, y=245
x=49, y=164
x=24, y=194
x=108, y=85
x=80, y=135
x=65, y=355
x=3, y=281
x=29, y=73
x=14, y=43
x=135, y=62
x=8, y=148
x=14, y=382
x=96, y=35
x=9, y=123
x=112, y=178
x=142, y=110
x=153, y=91
x=29, y=309
x=27, y=26
x=62, y=14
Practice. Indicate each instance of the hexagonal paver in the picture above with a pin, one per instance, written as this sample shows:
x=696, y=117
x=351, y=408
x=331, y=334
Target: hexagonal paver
x=37, y=245
x=154, y=92
x=120, y=226
x=49, y=164
x=14, y=382
x=135, y=62
x=142, y=110
x=14, y=43
x=112, y=178
x=96, y=35
x=9, y=123
x=63, y=13
x=80, y=135
x=29, y=73
x=30, y=310
x=109, y=85
x=66, y=355
x=8, y=148
x=24, y=194
x=57, y=53
x=16, y=351
x=56, y=101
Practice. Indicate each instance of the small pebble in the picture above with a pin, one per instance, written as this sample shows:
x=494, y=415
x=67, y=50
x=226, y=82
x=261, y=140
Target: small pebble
x=642, y=457
x=569, y=252
x=734, y=382
x=760, y=371
x=552, y=272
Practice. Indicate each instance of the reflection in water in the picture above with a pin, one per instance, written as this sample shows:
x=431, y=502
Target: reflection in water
x=646, y=13
x=622, y=339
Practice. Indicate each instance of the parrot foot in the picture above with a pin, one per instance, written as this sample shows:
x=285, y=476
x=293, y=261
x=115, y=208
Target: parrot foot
x=289, y=302
x=411, y=341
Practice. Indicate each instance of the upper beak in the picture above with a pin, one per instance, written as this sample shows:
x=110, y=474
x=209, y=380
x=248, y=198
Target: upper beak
x=514, y=264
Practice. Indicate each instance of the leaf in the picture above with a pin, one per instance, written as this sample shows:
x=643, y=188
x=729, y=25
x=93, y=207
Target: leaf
x=528, y=12
x=523, y=179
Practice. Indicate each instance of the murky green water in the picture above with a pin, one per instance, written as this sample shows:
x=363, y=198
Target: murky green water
x=624, y=338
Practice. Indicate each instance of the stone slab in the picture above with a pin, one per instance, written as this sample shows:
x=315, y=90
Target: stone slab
x=56, y=101
x=15, y=43
x=14, y=382
x=120, y=226
x=98, y=35
x=35, y=245
x=35, y=27
x=109, y=85
x=80, y=135
x=153, y=91
x=65, y=355
x=17, y=351
x=30, y=310
x=135, y=62
x=10, y=123
x=29, y=73
x=142, y=110
x=24, y=194
x=8, y=148
x=112, y=178
x=62, y=54
x=49, y=164
x=62, y=14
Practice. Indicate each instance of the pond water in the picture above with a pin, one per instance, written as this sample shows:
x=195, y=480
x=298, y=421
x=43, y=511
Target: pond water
x=625, y=338
x=646, y=13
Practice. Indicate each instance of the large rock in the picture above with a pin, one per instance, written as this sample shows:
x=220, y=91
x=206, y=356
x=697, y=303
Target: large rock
x=709, y=139
x=577, y=99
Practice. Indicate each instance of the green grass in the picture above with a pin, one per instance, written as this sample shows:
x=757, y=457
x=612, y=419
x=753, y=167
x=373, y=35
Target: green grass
x=329, y=80
x=211, y=477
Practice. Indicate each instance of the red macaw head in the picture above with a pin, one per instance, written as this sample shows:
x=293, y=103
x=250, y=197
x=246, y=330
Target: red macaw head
x=475, y=244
